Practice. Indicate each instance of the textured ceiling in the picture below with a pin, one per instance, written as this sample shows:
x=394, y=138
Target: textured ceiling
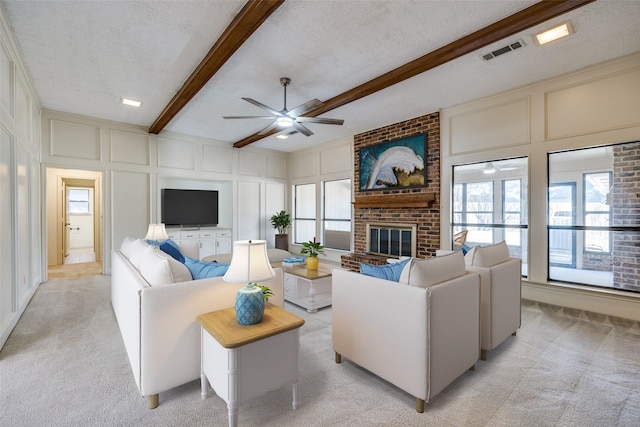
x=84, y=55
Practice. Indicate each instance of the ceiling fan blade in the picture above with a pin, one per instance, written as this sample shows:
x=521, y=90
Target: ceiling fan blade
x=320, y=120
x=304, y=108
x=301, y=128
x=264, y=107
x=269, y=128
x=249, y=117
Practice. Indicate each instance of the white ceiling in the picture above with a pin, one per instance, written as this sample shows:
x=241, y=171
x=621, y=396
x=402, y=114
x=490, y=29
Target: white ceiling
x=84, y=55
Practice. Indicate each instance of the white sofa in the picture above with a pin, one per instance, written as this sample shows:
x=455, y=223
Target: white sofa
x=419, y=334
x=157, y=319
x=500, y=293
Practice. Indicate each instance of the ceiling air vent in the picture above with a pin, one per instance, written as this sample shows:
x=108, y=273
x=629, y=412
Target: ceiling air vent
x=508, y=48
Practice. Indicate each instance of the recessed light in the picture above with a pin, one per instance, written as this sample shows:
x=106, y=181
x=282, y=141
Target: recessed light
x=282, y=136
x=555, y=33
x=131, y=102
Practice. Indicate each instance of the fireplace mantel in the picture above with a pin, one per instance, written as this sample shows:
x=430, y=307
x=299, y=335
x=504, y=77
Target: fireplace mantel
x=411, y=200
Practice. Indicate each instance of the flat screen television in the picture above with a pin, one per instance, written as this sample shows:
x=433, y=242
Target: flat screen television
x=189, y=207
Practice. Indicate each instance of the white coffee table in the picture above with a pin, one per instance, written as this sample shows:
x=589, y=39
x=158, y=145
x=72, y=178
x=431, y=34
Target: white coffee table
x=241, y=362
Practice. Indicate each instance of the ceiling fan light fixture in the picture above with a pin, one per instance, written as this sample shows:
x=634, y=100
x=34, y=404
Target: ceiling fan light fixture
x=284, y=122
x=555, y=33
x=489, y=169
x=282, y=136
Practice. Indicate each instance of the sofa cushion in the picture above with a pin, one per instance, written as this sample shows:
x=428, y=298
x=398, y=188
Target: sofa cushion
x=159, y=268
x=429, y=272
x=486, y=256
x=170, y=247
x=389, y=271
x=204, y=269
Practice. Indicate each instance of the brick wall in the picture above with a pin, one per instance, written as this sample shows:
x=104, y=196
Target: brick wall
x=427, y=219
x=626, y=211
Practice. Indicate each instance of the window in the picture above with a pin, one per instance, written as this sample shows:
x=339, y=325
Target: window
x=490, y=202
x=304, y=223
x=512, y=209
x=337, y=214
x=473, y=204
x=596, y=211
x=78, y=201
x=593, y=224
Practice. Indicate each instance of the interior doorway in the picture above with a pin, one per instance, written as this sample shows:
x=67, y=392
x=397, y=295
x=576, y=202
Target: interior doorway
x=74, y=222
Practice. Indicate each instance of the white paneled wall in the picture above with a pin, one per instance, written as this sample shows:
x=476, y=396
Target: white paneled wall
x=138, y=166
x=326, y=162
x=7, y=302
x=130, y=205
x=248, y=210
x=20, y=194
x=595, y=106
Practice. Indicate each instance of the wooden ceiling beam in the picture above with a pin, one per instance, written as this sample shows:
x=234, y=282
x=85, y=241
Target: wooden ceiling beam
x=520, y=21
x=245, y=23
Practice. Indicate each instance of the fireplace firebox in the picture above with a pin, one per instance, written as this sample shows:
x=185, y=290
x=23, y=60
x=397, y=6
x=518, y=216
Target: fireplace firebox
x=391, y=239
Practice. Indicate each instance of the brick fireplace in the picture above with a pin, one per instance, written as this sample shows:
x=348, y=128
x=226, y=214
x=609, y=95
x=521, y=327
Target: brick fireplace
x=405, y=207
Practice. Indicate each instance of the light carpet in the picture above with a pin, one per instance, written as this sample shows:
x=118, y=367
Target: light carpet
x=65, y=365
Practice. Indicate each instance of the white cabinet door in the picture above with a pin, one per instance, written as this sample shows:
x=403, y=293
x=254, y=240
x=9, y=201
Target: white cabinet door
x=207, y=247
x=223, y=245
x=207, y=242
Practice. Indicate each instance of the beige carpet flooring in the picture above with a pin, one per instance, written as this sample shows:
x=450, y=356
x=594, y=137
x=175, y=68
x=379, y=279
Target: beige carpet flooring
x=65, y=365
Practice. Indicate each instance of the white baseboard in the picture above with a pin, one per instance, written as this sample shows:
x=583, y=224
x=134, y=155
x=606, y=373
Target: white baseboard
x=610, y=302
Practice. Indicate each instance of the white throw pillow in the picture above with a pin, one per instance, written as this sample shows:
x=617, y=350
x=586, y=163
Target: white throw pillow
x=486, y=256
x=129, y=246
x=158, y=268
x=140, y=249
x=429, y=272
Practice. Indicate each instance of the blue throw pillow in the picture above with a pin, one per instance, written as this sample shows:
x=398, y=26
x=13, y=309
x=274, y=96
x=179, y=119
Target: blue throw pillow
x=171, y=248
x=389, y=272
x=464, y=248
x=204, y=269
x=154, y=242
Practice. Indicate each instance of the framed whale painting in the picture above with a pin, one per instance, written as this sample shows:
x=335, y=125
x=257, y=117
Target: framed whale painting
x=394, y=164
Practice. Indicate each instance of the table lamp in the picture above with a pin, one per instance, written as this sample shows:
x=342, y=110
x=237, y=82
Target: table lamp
x=249, y=264
x=156, y=232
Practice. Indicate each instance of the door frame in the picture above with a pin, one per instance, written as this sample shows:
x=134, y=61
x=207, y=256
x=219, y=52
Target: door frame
x=55, y=207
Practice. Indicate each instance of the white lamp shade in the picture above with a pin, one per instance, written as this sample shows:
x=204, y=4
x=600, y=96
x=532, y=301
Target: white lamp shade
x=249, y=262
x=156, y=232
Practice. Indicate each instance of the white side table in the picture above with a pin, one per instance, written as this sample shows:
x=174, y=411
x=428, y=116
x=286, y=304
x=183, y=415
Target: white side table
x=310, y=289
x=241, y=362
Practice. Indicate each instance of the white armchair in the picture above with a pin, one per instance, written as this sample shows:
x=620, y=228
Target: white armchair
x=500, y=293
x=420, y=335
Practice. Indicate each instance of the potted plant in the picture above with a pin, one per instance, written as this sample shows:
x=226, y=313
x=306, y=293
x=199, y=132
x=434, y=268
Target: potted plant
x=266, y=292
x=281, y=221
x=312, y=248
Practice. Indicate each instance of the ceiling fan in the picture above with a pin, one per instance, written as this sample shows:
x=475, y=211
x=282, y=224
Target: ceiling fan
x=490, y=168
x=285, y=119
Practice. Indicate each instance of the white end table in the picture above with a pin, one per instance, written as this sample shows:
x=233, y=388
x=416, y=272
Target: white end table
x=241, y=362
x=310, y=289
